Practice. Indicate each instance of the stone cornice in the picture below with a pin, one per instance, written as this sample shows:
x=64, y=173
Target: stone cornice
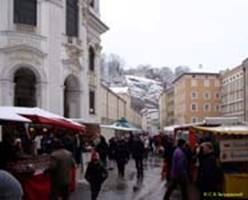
x=23, y=47
x=23, y=34
x=95, y=22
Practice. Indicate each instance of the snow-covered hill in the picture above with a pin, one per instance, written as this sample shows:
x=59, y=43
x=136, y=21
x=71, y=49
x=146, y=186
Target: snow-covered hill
x=144, y=91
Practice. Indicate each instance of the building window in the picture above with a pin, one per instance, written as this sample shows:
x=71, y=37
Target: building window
x=193, y=83
x=194, y=119
x=92, y=102
x=25, y=12
x=91, y=59
x=72, y=18
x=193, y=107
x=217, y=83
x=207, y=95
x=194, y=95
x=206, y=107
x=217, y=95
x=206, y=83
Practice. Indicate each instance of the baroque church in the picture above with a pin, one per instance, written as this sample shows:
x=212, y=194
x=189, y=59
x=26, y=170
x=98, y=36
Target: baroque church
x=50, y=56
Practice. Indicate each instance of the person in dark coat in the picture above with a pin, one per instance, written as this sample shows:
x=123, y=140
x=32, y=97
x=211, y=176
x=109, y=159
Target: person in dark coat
x=111, y=151
x=95, y=174
x=168, y=153
x=208, y=173
x=121, y=156
x=78, y=149
x=60, y=171
x=102, y=149
x=138, y=151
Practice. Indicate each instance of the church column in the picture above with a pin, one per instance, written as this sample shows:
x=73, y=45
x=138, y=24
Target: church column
x=7, y=92
x=41, y=95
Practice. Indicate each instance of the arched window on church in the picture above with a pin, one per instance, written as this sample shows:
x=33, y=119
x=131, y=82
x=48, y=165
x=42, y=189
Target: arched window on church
x=91, y=59
x=72, y=18
x=25, y=12
x=25, y=88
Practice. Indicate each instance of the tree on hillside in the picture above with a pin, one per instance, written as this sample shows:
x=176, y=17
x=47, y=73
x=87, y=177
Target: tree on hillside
x=181, y=69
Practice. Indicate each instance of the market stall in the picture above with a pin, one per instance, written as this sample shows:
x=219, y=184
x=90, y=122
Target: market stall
x=231, y=147
x=26, y=134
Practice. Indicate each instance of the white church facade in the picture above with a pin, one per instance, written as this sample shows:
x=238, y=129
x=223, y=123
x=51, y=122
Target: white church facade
x=50, y=56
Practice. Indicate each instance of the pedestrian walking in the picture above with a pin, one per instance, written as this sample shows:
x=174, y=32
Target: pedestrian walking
x=121, y=156
x=10, y=188
x=209, y=175
x=138, y=151
x=95, y=174
x=61, y=165
x=102, y=149
x=111, y=152
x=179, y=172
x=168, y=154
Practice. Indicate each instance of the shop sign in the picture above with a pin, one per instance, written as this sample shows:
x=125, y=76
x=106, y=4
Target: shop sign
x=234, y=150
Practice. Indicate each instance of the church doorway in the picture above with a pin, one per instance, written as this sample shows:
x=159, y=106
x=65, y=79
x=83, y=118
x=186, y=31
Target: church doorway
x=25, y=88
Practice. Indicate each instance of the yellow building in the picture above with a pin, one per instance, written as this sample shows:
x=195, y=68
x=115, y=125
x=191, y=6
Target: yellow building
x=162, y=110
x=115, y=104
x=113, y=107
x=232, y=93
x=132, y=115
x=196, y=96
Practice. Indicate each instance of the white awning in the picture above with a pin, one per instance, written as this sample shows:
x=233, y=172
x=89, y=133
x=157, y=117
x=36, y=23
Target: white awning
x=8, y=115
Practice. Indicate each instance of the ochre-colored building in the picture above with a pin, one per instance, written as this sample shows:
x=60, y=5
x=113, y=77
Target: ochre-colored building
x=113, y=107
x=196, y=96
x=115, y=104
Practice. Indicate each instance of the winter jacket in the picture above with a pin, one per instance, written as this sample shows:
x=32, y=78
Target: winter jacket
x=96, y=173
x=121, y=152
x=209, y=173
x=179, y=169
x=137, y=149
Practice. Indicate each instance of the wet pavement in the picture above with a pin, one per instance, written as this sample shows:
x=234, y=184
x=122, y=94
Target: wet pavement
x=114, y=188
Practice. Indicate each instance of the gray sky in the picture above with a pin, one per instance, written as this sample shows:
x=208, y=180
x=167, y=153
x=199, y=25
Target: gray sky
x=177, y=32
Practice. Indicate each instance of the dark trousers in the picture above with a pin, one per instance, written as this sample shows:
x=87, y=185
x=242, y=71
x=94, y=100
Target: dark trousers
x=172, y=186
x=139, y=168
x=60, y=191
x=121, y=168
x=95, y=189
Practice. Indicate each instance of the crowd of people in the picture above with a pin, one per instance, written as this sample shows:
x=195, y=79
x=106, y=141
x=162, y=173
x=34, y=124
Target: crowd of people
x=189, y=168
x=66, y=152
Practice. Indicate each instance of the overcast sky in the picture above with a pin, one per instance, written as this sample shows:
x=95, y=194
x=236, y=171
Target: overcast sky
x=213, y=33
